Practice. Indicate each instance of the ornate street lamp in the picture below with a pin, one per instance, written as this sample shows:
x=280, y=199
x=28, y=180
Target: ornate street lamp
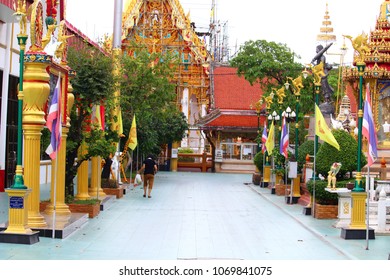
x=21, y=16
x=258, y=105
x=297, y=85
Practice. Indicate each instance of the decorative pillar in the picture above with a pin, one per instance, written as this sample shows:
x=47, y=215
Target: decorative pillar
x=57, y=199
x=95, y=190
x=383, y=170
x=36, y=92
x=174, y=159
x=185, y=106
x=296, y=188
x=82, y=176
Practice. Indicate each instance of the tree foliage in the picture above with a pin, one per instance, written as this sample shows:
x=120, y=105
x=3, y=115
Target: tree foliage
x=92, y=85
x=147, y=93
x=347, y=155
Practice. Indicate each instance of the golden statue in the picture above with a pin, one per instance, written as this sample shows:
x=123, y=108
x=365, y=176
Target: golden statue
x=268, y=100
x=280, y=94
x=360, y=45
x=50, y=30
x=62, y=37
x=21, y=11
x=318, y=72
x=334, y=169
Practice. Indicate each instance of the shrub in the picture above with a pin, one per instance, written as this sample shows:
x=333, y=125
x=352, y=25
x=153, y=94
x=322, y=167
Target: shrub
x=186, y=151
x=258, y=161
x=347, y=155
x=109, y=183
x=322, y=196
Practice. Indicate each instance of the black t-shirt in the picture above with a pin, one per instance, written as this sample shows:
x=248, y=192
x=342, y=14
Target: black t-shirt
x=149, y=166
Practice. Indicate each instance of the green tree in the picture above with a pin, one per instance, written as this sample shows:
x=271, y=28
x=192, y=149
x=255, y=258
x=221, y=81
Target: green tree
x=269, y=64
x=147, y=92
x=92, y=85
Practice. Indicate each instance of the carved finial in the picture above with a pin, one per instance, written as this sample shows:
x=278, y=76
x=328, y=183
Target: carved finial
x=360, y=45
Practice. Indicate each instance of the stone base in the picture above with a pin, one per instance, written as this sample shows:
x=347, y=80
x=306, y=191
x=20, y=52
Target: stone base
x=17, y=238
x=118, y=192
x=307, y=211
x=292, y=200
x=348, y=233
x=65, y=225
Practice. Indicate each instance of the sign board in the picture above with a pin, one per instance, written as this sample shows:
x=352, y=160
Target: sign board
x=293, y=167
x=174, y=153
x=218, y=155
x=247, y=151
x=16, y=202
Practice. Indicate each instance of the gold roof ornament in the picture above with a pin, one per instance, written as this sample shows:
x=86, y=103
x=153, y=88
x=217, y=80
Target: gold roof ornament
x=326, y=29
x=360, y=45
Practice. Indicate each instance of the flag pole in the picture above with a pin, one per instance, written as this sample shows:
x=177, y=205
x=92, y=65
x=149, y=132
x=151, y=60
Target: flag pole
x=314, y=166
x=131, y=168
x=56, y=162
x=368, y=183
x=55, y=193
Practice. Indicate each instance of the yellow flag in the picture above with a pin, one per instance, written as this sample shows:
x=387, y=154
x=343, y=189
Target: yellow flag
x=270, y=143
x=323, y=131
x=133, y=135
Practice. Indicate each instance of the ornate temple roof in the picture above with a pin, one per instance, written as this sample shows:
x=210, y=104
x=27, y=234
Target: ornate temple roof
x=132, y=16
x=377, y=58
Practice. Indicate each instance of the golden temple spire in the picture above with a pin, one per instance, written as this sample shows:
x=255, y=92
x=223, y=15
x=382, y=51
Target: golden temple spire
x=326, y=30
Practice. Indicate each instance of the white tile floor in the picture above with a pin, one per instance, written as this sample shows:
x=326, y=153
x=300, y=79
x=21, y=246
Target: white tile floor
x=200, y=216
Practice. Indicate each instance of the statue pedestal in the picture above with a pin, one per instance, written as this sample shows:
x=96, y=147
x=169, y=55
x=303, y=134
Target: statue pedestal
x=344, y=206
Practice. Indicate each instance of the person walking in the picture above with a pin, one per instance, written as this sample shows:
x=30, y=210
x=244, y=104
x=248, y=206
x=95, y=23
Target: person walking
x=149, y=167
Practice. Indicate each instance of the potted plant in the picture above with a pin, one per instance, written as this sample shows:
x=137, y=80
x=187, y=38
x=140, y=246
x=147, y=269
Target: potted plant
x=111, y=187
x=89, y=206
x=258, y=161
x=325, y=203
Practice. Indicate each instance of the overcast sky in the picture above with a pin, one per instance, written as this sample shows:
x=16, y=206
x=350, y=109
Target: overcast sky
x=295, y=23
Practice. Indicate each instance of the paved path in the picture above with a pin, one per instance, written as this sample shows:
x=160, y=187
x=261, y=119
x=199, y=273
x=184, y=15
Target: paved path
x=201, y=216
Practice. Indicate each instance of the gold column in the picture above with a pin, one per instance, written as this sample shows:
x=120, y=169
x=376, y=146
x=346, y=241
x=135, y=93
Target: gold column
x=95, y=190
x=267, y=174
x=82, y=176
x=175, y=145
x=297, y=187
x=358, y=215
x=36, y=91
x=58, y=178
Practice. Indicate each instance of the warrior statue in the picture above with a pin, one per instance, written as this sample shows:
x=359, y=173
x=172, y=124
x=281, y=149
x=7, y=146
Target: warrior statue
x=327, y=91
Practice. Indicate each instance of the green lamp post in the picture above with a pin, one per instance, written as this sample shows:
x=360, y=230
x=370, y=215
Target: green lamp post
x=358, y=183
x=257, y=106
x=22, y=39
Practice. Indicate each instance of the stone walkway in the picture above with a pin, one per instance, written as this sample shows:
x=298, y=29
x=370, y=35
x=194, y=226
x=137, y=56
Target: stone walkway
x=200, y=216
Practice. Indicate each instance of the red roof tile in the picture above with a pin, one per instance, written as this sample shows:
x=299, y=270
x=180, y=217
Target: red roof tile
x=233, y=92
